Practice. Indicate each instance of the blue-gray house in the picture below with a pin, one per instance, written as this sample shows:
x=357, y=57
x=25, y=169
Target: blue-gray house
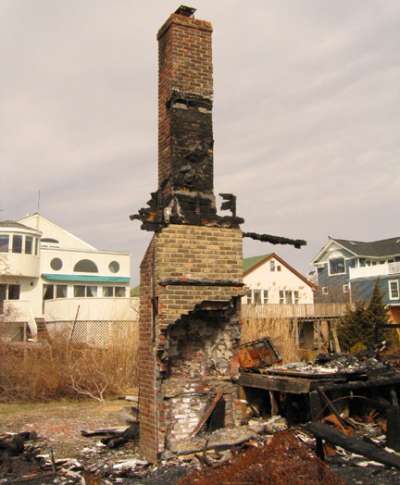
x=348, y=270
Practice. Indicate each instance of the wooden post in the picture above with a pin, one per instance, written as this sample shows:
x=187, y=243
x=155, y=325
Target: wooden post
x=273, y=395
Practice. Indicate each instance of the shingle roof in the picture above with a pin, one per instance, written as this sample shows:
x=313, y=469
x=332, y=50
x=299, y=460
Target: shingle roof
x=249, y=263
x=14, y=224
x=384, y=247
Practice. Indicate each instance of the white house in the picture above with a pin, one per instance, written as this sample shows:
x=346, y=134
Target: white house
x=271, y=280
x=47, y=272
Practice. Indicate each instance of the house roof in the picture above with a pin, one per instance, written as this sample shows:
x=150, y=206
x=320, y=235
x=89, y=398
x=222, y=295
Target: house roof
x=383, y=247
x=16, y=225
x=252, y=263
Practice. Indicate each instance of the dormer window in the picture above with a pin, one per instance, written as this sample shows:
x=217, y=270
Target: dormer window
x=337, y=266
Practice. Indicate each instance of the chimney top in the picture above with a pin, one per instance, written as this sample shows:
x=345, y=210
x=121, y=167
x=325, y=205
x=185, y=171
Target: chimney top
x=185, y=11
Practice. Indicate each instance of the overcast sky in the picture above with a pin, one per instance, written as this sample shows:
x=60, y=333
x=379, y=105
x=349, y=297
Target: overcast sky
x=306, y=116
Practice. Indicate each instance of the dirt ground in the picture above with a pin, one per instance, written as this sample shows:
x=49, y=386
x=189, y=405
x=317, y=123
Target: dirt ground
x=60, y=422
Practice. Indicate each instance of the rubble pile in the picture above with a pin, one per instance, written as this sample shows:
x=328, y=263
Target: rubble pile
x=334, y=364
x=284, y=460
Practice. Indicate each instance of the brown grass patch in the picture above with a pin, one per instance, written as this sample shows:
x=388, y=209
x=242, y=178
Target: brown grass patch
x=61, y=369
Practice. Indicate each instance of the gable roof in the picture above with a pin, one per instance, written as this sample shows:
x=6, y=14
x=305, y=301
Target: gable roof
x=383, y=247
x=252, y=263
x=17, y=225
x=50, y=229
x=372, y=249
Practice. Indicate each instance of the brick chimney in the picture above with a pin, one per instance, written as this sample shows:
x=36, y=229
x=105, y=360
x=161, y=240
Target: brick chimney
x=191, y=274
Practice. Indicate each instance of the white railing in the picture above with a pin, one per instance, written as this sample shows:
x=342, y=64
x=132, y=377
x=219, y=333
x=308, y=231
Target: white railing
x=91, y=309
x=375, y=271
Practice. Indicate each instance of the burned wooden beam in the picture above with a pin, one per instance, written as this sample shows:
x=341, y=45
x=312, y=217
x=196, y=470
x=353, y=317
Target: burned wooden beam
x=355, y=445
x=297, y=243
x=275, y=383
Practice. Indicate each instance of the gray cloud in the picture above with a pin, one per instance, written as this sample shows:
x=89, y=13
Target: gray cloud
x=307, y=110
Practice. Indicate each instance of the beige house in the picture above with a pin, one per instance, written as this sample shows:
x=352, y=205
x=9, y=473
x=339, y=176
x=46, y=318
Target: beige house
x=271, y=280
x=48, y=273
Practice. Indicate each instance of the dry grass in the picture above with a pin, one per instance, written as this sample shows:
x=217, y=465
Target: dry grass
x=64, y=370
x=283, y=334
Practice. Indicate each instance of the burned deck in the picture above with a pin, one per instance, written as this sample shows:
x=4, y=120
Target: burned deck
x=302, y=395
x=306, y=383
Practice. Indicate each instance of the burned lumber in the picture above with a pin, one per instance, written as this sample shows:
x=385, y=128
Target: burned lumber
x=14, y=444
x=210, y=408
x=355, y=445
x=102, y=432
x=297, y=243
x=113, y=437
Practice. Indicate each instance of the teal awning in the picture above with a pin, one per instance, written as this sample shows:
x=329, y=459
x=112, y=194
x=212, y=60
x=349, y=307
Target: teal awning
x=85, y=278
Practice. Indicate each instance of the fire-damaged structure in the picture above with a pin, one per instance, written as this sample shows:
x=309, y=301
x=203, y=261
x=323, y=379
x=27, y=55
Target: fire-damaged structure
x=191, y=274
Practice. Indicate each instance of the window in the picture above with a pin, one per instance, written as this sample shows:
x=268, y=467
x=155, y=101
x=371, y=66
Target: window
x=362, y=262
x=91, y=291
x=120, y=291
x=281, y=297
x=337, y=266
x=4, y=239
x=114, y=266
x=17, y=244
x=56, y=264
x=108, y=291
x=86, y=266
x=36, y=245
x=296, y=297
x=345, y=288
x=48, y=292
x=272, y=265
x=13, y=292
x=324, y=290
x=265, y=297
x=279, y=267
x=248, y=297
x=288, y=297
x=28, y=244
x=61, y=291
x=352, y=263
x=79, y=291
x=394, y=290
x=257, y=297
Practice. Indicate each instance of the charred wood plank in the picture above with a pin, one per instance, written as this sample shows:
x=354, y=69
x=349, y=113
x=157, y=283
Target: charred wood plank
x=332, y=407
x=355, y=445
x=363, y=384
x=210, y=408
x=297, y=243
x=275, y=383
x=102, y=432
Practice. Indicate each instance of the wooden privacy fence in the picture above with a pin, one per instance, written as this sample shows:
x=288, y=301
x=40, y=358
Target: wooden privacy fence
x=298, y=332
